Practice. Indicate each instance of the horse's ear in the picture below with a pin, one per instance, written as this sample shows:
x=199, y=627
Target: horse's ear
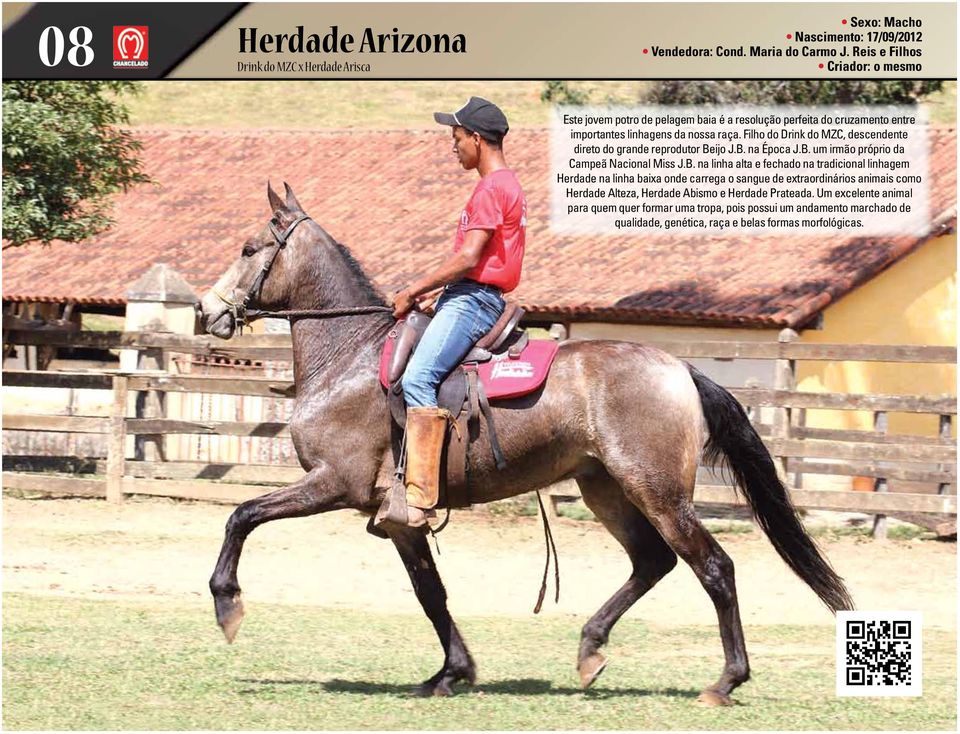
x=276, y=203
x=292, y=203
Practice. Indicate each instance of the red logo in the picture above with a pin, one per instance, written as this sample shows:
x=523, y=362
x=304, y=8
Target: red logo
x=131, y=46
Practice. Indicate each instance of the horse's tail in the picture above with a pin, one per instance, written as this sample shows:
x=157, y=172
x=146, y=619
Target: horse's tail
x=733, y=439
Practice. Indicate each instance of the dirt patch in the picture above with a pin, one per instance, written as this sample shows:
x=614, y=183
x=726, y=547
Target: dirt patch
x=490, y=565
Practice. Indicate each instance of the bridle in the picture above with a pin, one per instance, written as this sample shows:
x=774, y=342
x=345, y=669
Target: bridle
x=243, y=315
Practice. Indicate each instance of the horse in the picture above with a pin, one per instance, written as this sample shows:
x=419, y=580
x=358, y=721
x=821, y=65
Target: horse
x=629, y=422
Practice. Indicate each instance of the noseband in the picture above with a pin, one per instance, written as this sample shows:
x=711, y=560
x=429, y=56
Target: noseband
x=243, y=315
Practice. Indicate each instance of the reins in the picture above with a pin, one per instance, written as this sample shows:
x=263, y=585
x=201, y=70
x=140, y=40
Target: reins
x=321, y=313
x=548, y=539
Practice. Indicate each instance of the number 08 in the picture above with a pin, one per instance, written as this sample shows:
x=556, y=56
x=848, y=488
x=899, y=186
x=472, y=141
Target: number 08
x=80, y=37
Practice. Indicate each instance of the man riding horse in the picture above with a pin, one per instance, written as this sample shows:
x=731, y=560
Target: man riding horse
x=485, y=264
x=629, y=422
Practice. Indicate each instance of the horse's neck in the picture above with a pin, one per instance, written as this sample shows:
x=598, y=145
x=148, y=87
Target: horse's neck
x=327, y=350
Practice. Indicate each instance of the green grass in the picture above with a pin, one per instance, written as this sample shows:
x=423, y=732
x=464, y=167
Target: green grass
x=726, y=526
x=91, y=664
x=865, y=532
x=377, y=105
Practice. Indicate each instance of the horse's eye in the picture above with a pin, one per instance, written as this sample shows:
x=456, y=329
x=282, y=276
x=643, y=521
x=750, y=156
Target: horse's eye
x=248, y=251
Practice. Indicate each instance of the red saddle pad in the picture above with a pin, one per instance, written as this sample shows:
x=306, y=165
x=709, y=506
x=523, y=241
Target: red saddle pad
x=502, y=377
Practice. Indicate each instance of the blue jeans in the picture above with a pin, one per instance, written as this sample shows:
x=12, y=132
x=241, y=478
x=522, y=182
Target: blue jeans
x=465, y=312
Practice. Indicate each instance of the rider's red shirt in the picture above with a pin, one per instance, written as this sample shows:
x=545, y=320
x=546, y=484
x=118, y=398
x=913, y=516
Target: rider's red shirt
x=497, y=204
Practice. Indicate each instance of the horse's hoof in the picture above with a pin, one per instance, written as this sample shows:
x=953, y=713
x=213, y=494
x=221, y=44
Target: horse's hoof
x=714, y=698
x=229, y=614
x=431, y=689
x=590, y=669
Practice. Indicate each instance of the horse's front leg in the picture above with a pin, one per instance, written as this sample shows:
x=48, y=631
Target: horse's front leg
x=457, y=663
x=318, y=491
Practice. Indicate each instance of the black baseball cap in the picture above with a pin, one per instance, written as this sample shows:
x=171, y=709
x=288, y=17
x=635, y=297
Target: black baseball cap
x=479, y=115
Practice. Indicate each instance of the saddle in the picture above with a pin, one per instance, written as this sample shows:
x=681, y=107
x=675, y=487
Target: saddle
x=503, y=364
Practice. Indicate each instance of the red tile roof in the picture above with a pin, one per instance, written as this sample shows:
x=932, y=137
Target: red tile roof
x=393, y=198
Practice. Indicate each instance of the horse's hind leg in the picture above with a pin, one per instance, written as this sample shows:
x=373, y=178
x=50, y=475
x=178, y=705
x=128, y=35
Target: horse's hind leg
x=713, y=567
x=650, y=556
x=670, y=510
x=414, y=550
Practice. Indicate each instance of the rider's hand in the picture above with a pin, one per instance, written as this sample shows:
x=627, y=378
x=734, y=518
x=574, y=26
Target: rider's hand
x=403, y=302
x=428, y=300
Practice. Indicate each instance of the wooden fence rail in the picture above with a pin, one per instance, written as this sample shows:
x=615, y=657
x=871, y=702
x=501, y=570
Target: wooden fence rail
x=277, y=347
x=266, y=387
x=799, y=450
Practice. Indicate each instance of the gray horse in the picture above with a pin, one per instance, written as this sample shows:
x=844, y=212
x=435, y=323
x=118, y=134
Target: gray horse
x=628, y=422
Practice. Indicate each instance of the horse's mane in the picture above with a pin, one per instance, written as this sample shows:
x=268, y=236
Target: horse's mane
x=360, y=278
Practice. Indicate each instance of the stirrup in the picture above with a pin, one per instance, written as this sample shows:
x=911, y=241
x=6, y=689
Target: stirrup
x=393, y=509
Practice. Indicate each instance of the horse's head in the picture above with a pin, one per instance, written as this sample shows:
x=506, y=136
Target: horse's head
x=260, y=276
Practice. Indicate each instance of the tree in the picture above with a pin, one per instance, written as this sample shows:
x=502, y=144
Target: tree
x=64, y=155
x=761, y=92
x=560, y=92
x=818, y=92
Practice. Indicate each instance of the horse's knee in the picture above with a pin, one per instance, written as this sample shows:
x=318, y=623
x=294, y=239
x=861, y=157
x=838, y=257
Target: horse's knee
x=240, y=520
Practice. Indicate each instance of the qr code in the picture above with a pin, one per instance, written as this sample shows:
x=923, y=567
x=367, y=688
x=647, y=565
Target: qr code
x=879, y=654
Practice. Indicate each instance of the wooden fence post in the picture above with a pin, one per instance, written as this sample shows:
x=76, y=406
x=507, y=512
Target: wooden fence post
x=946, y=421
x=159, y=301
x=784, y=378
x=880, y=483
x=117, y=440
x=150, y=403
x=799, y=421
x=550, y=506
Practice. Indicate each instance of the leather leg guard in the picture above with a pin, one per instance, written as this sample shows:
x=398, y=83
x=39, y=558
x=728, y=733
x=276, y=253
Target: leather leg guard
x=426, y=430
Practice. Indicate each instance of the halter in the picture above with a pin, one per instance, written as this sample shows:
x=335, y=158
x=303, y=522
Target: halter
x=243, y=315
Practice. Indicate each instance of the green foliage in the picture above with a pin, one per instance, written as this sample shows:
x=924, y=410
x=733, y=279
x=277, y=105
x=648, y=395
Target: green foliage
x=524, y=505
x=801, y=92
x=576, y=510
x=560, y=92
x=64, y=154
x=370, y=105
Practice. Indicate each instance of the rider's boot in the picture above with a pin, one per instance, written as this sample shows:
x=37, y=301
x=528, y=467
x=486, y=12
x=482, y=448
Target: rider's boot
x=411, y=504
x=426, y=430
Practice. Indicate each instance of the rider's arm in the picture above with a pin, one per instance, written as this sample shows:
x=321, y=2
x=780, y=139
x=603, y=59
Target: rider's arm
x=450, y=271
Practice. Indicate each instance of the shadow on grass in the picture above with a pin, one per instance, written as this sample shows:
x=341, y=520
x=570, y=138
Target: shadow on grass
x=515, y=687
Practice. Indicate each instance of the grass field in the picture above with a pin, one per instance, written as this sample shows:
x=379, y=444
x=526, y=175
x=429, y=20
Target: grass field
x=89, y=664
x=376, y=105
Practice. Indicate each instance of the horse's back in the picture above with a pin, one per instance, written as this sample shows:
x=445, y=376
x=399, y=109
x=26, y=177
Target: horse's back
x=635, y=373
x=604, y=400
